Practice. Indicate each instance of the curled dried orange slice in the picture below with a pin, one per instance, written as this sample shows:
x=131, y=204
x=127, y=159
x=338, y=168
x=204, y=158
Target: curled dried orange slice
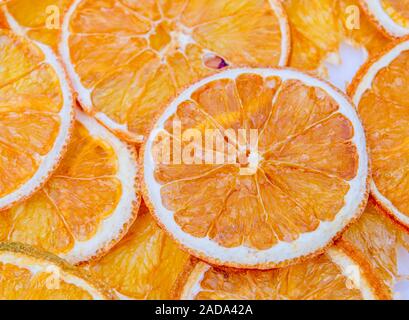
x=27, y=273
x=374, y=238
x=87, y=205
x=145, y=264
x=332, y=276
x=127, y=58
x=379, y=92
x=256, y=168
x=36, y=111
x=331, y=37
x=390, y=16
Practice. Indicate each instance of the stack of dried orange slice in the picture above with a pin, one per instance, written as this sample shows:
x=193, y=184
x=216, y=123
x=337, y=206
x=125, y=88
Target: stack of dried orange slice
x=255, y=177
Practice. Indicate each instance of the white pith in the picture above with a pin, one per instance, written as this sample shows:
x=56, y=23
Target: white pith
x=376, y=9
x=85, y=94
x=49, y=161
x=112, y=226
x=35, y=265
x=307, y=243
x=192, y=287
x=365, y=84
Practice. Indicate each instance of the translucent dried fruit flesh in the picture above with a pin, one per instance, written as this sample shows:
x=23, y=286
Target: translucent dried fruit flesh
x=385, y=114
x=40, y=19
x=145, y=264
x=72, y=205
x=27, y=273
x=31, y=100
x=306, y=161
x=376, y=237
x=320, y=26
x=316, y=279
x=131, y=58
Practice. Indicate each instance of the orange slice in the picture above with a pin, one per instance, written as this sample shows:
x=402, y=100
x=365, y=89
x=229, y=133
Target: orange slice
x=36, y=107
x=390, y=16
x=39, y=20
x=375, y=239
x=256, y=202
x=145, y=264
x=29, y=274
x=379, y=92
x=332, y=276
x=127, y=58
x=87, y=205
x=330, y=36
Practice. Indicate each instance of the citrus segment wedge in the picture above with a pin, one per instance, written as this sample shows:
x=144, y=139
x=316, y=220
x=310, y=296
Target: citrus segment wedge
x=145, y=264
x=126, y=59
x=390, y=16
x=378, y=91
x=36, y=111
x=27, y=273
x=89, y=202
x=261, y=202
x=40, y=20
x=327, y=277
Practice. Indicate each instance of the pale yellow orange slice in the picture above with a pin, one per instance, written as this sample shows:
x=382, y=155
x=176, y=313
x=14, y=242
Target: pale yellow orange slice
x=332, y=276
x=379, y=92
x=87, y=205
x=283, y=196
x=145, y=264
x=127, y=58
x=390, y=16
x=36, y=112
x=29, y=274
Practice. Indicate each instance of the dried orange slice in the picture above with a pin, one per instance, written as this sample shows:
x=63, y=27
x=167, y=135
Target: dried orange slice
x=39, y=20
x=332, y=37
x=390, y=16
x=27, y=273
x=87, y=205
x=375, y=239
x=379, y=92
x=145, y=264
x=332, y=276
x=127, y=58
x=264, y=201
x=36, y=109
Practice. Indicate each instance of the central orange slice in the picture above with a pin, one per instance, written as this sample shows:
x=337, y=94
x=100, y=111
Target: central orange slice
x=127, y=58
x=279, y=191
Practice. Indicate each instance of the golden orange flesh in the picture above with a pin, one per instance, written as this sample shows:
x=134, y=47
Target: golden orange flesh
x=145, y=264
x=133, y=56
x=40, y=19
x=19, y=283
x=316, y=279
x=30, y=100
x=376, y=237
x=71, y=206
x=306, y=159
x=385, y=115
x=398, y=10
x=320, y=26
